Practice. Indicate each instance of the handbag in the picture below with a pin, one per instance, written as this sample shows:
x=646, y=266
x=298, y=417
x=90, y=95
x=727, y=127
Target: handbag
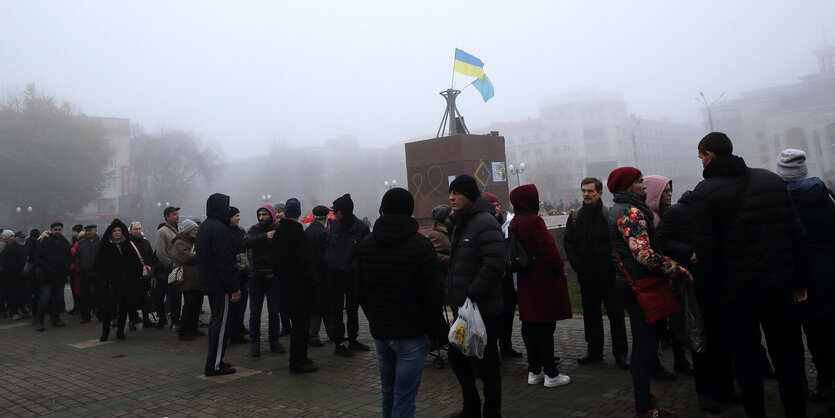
x=242, y=262
x=176, y=275
x=146, y=270
x=654, y=295
x=517, y=258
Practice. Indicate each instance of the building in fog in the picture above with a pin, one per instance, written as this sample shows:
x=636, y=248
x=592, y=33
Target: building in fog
x=590, y=133
x=763, y=122
x=115, y=200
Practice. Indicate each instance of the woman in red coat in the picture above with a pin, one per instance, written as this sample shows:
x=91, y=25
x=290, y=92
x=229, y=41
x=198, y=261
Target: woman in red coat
x=542, y=288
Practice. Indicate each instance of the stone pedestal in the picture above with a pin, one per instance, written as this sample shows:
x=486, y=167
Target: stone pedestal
x=432, y=164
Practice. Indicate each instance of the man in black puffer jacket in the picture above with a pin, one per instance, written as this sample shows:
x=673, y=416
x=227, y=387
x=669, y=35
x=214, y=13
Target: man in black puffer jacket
x=345, y=235
x=291, y=262
x=400, y=292
x=477, y=265
x=746, y=234
x=218, y=279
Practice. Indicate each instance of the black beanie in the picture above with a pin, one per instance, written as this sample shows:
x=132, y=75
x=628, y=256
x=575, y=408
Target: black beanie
x=293, y=208
x=233, y=211
x=344, y=204
x=397, y=201
x=465, y=185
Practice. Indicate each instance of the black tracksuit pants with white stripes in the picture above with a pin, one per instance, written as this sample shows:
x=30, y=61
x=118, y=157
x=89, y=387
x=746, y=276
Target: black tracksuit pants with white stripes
x=219, y=327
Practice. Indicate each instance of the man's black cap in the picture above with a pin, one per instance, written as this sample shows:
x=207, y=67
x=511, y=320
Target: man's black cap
x=168, y=210
x=91, y=226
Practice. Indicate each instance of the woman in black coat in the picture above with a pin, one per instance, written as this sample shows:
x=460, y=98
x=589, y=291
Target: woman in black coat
x=119, y=266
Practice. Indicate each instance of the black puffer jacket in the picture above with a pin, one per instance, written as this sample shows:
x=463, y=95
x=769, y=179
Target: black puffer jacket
x=675, y=231
x=215, y=257
x=291, y=263
x=400, y=285
x=257, y=241
x=587, y=245
x=745, y=239
x=342, y=244
x=816, y=209
x=478, y=259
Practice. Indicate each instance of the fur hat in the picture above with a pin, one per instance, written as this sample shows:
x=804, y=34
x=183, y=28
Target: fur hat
x=293, y=208
x=397, y=201
x=621, y=178
x=320, y=212
x=791, y=165
x=465, y=185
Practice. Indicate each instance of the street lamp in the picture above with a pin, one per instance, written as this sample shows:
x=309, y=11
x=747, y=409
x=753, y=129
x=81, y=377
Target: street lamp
x=159, y=204
x=266, y=197
x=517, y=170
x=703, y=100
x=390, y=184
x=23, y=213
x=634, y=145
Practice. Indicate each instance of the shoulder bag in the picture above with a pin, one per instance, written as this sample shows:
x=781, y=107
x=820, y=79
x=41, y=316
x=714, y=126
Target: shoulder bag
x=654, y=295
x=517, y=258
x=146, y=270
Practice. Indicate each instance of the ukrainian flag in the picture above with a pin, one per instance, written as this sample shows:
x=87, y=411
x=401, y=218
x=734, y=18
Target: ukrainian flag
x=467, y=64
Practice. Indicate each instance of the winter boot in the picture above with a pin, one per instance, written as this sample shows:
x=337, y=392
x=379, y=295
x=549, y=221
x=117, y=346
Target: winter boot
x=39, y=322
x=56, y=319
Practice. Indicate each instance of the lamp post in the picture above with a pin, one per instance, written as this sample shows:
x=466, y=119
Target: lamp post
x=266, y=197
x=634, y=144
x=517, y=170
x=23, y=213
x=703, y=100
x=159, y=204
x=390, y=184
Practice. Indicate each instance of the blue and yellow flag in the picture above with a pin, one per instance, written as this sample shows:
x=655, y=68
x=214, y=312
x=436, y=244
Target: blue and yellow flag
x=484, y=85
x=467, y=64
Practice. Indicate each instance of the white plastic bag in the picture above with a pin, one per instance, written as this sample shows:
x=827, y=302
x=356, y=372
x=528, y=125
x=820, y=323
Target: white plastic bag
x=468, y=332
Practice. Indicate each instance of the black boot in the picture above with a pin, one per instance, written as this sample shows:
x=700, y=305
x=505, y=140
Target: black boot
x=56, y=319
x=39, y=322
x=105, y=331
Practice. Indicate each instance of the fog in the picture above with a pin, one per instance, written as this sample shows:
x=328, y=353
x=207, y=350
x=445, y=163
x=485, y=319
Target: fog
x=243, y=74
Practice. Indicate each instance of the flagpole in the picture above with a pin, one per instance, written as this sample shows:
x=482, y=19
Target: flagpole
x=452, y=84
x=470, y=84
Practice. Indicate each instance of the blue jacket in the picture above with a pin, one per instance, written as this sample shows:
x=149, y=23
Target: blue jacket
x=215, y=257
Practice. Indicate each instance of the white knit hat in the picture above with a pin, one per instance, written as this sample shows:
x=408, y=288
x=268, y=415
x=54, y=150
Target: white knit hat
x=791, y=165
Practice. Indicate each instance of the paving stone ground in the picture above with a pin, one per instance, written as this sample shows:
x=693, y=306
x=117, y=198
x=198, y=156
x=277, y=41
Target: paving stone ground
x=66, y=372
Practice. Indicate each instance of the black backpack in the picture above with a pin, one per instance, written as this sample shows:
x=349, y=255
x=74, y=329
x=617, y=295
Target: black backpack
x=518, y=259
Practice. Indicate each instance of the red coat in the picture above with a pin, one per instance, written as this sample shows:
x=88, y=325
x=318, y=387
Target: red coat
x=543, y=289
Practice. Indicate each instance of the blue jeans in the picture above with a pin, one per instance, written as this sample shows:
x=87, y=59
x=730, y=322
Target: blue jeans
x=51, y=299
x=401, y=366
x=258, y=288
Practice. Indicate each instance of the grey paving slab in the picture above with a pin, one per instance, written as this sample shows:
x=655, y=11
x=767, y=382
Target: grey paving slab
x=64, y=372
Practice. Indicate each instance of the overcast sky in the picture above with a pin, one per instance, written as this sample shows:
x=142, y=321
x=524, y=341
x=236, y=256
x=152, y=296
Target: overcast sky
x=241, y=73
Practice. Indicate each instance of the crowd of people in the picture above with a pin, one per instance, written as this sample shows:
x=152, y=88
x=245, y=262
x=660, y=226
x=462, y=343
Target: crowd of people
x=745, y=254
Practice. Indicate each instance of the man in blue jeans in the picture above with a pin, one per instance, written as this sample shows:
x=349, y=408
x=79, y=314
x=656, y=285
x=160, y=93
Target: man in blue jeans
x=401, y=294
x=262, y=281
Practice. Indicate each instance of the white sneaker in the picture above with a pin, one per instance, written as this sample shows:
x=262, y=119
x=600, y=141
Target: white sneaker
x=535, y=379
x=557, y=380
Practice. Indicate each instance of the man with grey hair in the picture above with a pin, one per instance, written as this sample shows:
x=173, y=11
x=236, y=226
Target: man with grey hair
x=162, y=247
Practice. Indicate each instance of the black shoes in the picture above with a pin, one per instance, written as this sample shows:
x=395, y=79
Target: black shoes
x=255, y=351
x=277, y=348
x=315, y=343
x=220, y=372
x=661, y=373
x=509, y=352
x=355, y=345
x=621, y=361
x=239, y=340
x=590, y=358
x=709, y=404
x=185, y=337
x=343, y=351
x=120, y=334
x=308, y=367
x=824, y=392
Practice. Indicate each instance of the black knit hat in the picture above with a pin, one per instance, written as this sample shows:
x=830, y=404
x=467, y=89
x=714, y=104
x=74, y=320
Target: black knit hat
x=440, y=213
x=465, y=185
x=344, y=204
x=293, y=208
x=397, y=201
x=78, y=227
x=233, y=211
